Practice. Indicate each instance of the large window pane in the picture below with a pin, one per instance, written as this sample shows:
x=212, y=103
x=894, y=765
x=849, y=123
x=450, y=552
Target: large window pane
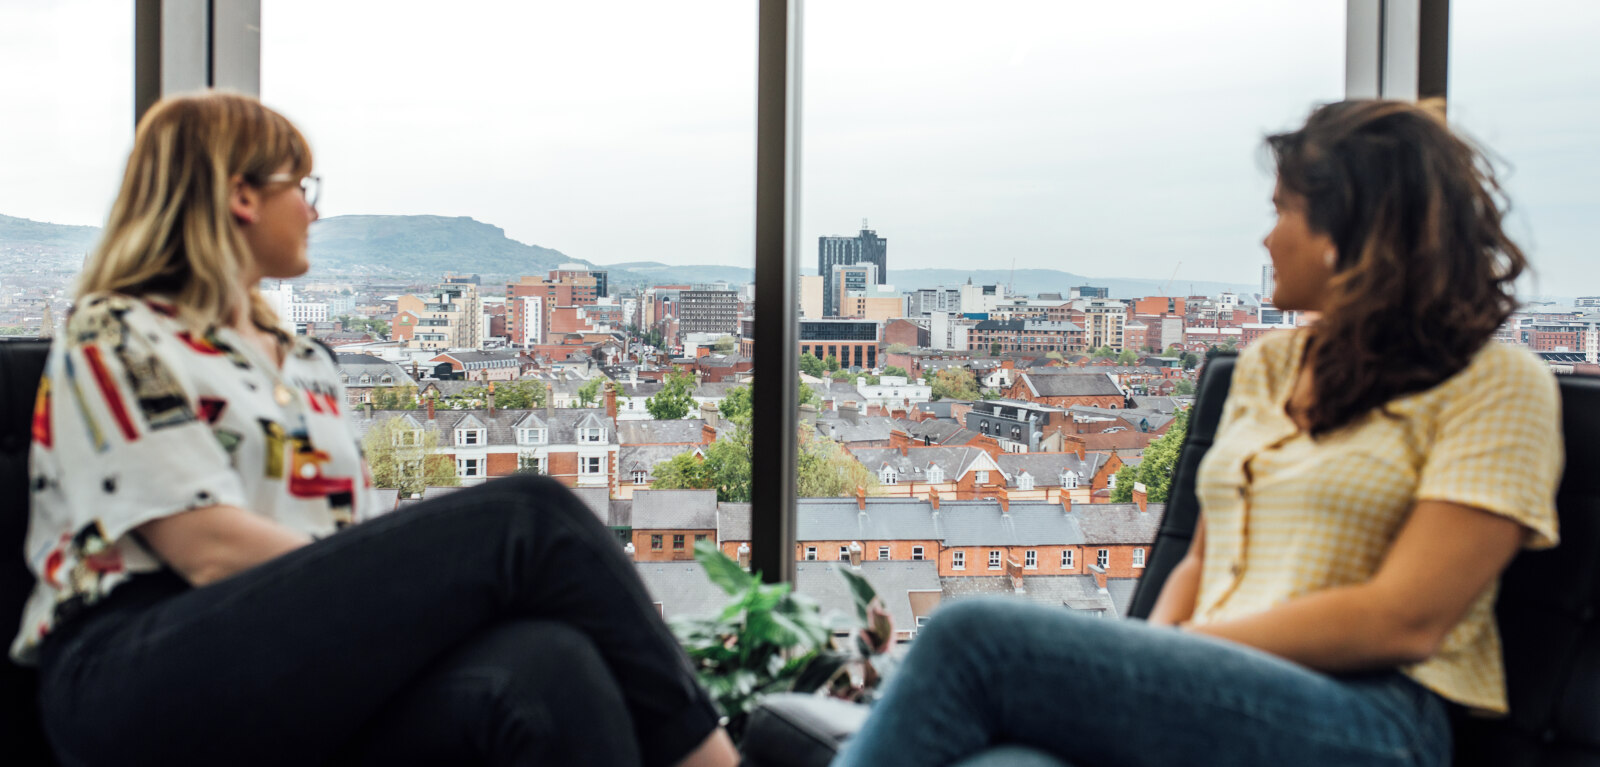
x=68, y=92
x=1528, y=89
x=557, y=199
x=992, y=189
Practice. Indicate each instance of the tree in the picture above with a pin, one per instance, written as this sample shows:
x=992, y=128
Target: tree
x=994, y=349
x=954, y=383
x=1127, y=357
x=725, y=345
x=1155, y=470
x=843, y=376
x=831, y=363
x=738, y=404
x=519, y=395
x=896, y=370
x=394, y=398
x=896, y=349
x=674, y=401
x=1103, y=352
x=406, y=459
x=811, y=365
x=527, y=463
x=1190, y=360
x=1183, y=388
x=808, y=396
x=589, y=393
x=827, y=470
x=1054, y=356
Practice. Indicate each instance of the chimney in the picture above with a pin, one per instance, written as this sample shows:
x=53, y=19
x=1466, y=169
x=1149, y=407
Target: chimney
x=611, y=400
x=744, y=556
x=549, y=403
x=430, y=408
x=709, y=413
x=1066, y=502
x=861, y=498
x=933, y=499
x=491, y=399
x=1075, y=445
x=1004, y=498
x=628, y=550
x=1099, y=574
x=1139, y=495
x=855, y=554
x=708, y=433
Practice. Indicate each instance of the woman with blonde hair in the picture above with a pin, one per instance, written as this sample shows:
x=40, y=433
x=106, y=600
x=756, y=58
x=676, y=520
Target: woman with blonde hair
x=215, y=582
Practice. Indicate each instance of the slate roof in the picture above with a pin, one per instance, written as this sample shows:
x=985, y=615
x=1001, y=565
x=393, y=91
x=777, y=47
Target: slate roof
x=683, y=590
x=1131, y=417
x=873, y=428
x=1119, y=522
x=838, y=519
x=598, y=499
x=675, y=510
x=639, y=389
x=1077, y=592
x=733, y=521
x=478, y=360
x=716, y=390
x=1055, y=384
x=621, y=513
x=914, y=465
x=892, y=580
x=1046, y=468
x=1121, y=590
x=981, y=523
x=451, y=387
x=936, y=430
x=353, y=366
x=683, y=431
x=646, y=458
x=499, y=429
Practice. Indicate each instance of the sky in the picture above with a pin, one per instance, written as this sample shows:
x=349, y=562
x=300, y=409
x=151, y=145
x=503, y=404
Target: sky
x=1107, y=139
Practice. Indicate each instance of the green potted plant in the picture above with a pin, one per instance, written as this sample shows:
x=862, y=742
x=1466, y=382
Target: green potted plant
x=769, y=639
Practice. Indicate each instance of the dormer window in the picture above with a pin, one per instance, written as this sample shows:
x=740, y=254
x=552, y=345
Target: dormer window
x=366, y=379
x=638, y=477
x=591, y=436
x=1024, y=481
x=1069, y=479
x=469, y=437
x=888, y=476
x=935, y=474
x=407, y=437
x=386, y=379
x=531, y=436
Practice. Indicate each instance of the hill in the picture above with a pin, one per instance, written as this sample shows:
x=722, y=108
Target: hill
x=424, y=245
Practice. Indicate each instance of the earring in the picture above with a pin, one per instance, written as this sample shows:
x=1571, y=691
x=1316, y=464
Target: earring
x=1331, y=258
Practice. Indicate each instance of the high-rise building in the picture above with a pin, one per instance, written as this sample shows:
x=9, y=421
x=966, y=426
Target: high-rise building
x=926, y=301
x=1268, y=275
x=1103, y=321
x=1089, y=291
x=864, y=248
x=708, y=311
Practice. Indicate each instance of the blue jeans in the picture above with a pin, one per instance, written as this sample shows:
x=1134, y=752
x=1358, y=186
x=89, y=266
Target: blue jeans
x=1053, y=687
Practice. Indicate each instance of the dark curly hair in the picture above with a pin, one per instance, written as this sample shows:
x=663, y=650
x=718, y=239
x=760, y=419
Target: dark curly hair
x=1425, y=270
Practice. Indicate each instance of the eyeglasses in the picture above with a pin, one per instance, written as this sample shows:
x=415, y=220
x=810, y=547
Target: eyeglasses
x=310, y=186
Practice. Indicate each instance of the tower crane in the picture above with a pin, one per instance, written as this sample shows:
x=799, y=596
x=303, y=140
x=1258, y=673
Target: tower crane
x=1166, y=287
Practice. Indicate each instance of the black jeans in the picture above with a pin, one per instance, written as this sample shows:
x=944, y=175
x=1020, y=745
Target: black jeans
x=500, y=624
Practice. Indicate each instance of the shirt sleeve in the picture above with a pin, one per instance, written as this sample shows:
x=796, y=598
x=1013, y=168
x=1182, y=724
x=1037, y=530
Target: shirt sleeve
x=117, y=439
x=1497, y=443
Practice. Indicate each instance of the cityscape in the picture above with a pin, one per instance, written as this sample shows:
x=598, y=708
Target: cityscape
x=964, y=439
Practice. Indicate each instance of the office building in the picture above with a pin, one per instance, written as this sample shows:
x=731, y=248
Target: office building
x=864, y=248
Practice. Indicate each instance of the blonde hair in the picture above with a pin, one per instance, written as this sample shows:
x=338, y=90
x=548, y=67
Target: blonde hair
x=170, y=230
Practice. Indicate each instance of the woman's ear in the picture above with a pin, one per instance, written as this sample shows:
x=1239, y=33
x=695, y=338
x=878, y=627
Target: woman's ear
x=244, y=200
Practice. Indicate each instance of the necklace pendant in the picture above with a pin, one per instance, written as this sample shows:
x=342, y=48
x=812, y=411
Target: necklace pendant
x=282, y=394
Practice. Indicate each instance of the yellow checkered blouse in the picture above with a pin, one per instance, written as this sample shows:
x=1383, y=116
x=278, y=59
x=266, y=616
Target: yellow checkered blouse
x=1313, y=515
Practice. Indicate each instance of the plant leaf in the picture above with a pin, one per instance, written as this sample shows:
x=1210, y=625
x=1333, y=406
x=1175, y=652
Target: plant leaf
x=721, y=570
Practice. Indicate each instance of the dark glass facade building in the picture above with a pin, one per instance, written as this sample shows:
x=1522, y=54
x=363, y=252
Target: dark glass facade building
x=864, y=248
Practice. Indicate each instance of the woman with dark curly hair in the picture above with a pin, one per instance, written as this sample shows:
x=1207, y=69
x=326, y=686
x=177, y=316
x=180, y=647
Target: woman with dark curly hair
x=1371, y=477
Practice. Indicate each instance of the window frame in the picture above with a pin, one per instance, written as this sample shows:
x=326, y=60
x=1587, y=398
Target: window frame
x=1102, y=558
x=1138, y=558
x=995, y=561
x=917, y=554
x=1068, y=561
x=1030, y=559
x=884, y=553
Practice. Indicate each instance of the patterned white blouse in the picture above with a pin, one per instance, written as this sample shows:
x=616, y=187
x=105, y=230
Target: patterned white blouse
x=138, y=418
